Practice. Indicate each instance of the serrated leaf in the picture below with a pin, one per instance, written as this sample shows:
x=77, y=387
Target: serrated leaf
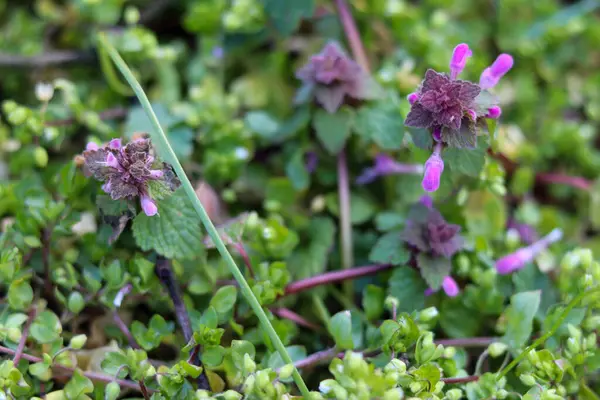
x=433, y=269
x=174, y=233
x=421, y=138
x=333, y=129
x=467, y=161
x=409, y=288
x=381, y=124
x=519, y=318
x=463, y=138
x=389, y=249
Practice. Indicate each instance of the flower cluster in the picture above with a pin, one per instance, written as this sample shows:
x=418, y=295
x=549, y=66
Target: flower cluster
x=436, y=241
x=130, y=171
x=332, y=76
x=454, y=110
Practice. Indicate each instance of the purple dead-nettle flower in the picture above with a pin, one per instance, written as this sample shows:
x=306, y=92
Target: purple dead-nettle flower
x=518, y=259
x=332, y=76
x=428, y=232
x=449, y=286
x=433, y=170
x=453, y=110
x=386, y=165
x=130, y=172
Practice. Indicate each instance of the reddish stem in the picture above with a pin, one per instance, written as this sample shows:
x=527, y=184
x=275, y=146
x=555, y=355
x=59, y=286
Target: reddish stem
x=240, y=249
x=577, y=182
x=286, y=313
x=352, y=34
x=465, y=379
x=334, y=277
x=24, y=336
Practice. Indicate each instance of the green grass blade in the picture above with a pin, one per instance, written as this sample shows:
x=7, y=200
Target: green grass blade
x=159, y=137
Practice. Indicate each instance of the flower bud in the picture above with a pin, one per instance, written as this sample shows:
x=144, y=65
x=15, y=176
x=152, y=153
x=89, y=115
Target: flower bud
x=249, y=364
x=149, y=206
x=433, y=172
x=491, y=75
x=112, y=391
x=586, y=257
x=262, y=379
x=494, y=112
x=76, y=303
x=527, y=379
x=449, y=352
x=496, y=349
x=393, y=394
x=501, y=394
x=44, y=91
x=428, y=314
x=286, y=371
x=450, y=286
x=460, y=55
x=412, y=98
x=573, y=345
x=18, y=116
x=40, y=155
x=395, y=365
x=391, y=302
x=78, y=341
x=454, y=394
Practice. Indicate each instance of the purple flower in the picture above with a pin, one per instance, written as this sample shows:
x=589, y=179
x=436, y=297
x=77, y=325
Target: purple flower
x=449, y=286
x=491, y=75
x=311, y=161
x=386, y=165
x=450, y=108
x=332, y=76
x=518, y=259
x=428, y=232
x=130, y=171
x=426, y=200
x=433, y=170
x=459, y=59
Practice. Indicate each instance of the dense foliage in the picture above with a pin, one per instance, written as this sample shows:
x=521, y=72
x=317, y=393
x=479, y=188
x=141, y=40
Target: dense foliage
x=404, y=194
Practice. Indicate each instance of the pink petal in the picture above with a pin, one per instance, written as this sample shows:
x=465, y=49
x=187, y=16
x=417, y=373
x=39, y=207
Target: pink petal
x=450, y=286
x=111, y=161
x=115, y=144
x=91, y=146
x=149, y=206
x=459, y=59
x=433, y=171
x=412, y=98
x=494, y=112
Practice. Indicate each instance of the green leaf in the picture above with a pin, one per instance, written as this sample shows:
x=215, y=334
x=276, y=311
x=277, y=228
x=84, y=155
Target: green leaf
x=213, y=356
x=467, y=161
x=238, y=349
x=409, y=288
x=388, y=220
x=340, y=328
x=20, y=294
x=433, y=269
x=46, y=327
x=262, y=123
x=224, y=299
x=519, y=318
x=457, y=320
x=362, y=207
x=373, y=298
x=399, y=335
x=76, y=303
x=389, y=249
x=485, y=214
x=172, y=233
x=421, y=138
x=428, y=373
x=77, y=386
x=381, y=124
x=286, y=15
x=333, y=129
x=296, y=171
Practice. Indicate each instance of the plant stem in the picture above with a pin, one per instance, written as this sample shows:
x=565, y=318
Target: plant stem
x=169, y=155
x=24, y=335
x=165, y=274
x=345, y=221
x=548, y=334
x=95, y=376
x=465, y=379
x=286, y=313
x=467, y=342
x=358, y=51
x=334, y=277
